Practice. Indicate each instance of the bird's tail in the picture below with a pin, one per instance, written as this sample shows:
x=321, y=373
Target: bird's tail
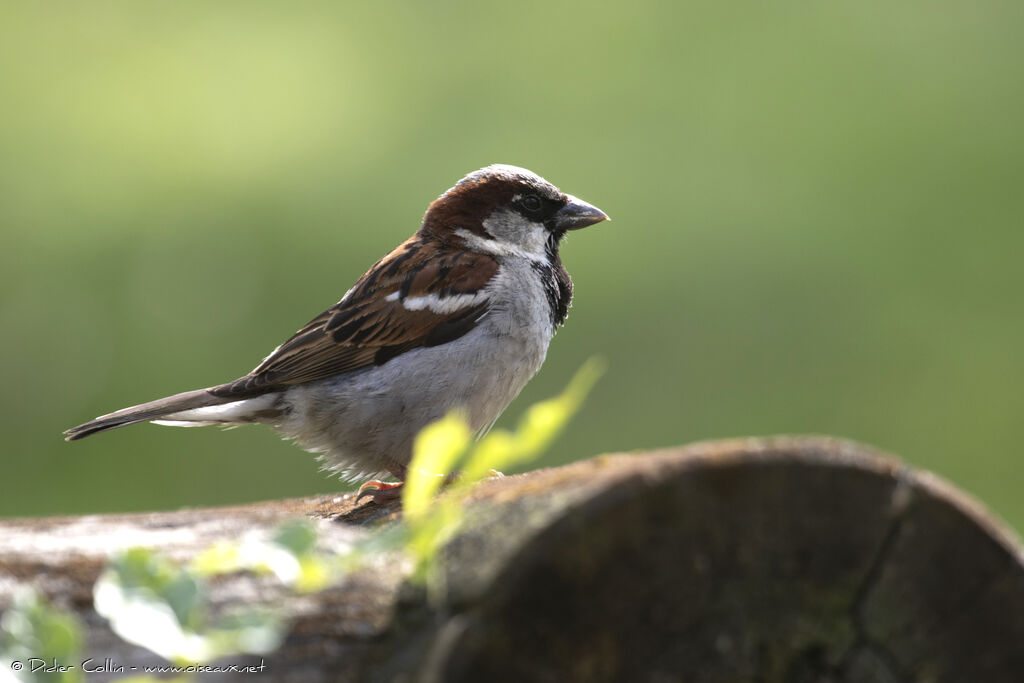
x=189, y=409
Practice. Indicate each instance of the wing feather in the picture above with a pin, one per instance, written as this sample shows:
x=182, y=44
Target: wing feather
x=371, y=325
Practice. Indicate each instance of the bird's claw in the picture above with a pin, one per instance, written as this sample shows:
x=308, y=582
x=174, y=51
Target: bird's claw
x=380, y=491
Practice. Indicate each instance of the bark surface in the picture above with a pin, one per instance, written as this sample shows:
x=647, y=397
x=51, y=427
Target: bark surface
x=770, y=559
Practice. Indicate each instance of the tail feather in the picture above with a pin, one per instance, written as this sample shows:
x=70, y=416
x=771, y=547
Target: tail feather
x=189, y=400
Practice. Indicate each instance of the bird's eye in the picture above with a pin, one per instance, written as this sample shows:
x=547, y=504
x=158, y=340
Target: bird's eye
x=531, y=202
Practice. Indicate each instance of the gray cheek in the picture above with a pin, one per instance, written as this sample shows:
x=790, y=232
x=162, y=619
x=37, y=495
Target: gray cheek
x=512, y=228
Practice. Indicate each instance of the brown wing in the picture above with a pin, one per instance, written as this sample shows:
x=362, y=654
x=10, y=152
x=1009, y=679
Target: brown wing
x=373, y=323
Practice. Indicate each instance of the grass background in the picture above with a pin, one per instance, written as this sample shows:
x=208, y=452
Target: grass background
x=817, y=218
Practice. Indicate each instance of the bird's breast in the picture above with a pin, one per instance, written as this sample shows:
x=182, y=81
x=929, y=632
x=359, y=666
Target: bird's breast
x=526, y=300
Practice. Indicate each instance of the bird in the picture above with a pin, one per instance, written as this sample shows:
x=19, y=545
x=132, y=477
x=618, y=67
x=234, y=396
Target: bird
x=458, y=317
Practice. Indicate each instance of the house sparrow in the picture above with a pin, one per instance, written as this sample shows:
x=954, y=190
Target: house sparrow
x=459, y=315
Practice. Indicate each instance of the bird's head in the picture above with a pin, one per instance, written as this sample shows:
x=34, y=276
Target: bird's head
x=504, y=209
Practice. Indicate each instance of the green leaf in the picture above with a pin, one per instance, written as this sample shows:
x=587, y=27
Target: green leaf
x=436, y=450
x=158, y=605
x=220, y=558
x=32, y=628
x=438, y=447
x=141, y=577
x=430, y=533
x=494, y=452
x=297, y=536
x=290, y=555
x=536, y=430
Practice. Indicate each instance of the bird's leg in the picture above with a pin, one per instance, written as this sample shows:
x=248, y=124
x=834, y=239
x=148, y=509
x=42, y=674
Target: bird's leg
x=382, y=491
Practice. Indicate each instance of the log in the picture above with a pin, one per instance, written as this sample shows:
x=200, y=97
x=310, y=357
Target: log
x=793, y=559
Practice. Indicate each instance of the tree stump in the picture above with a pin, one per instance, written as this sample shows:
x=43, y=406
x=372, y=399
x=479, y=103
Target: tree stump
x=797, y=559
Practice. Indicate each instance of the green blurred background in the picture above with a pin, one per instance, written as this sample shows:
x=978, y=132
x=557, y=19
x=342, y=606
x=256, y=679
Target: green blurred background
x=817, y=219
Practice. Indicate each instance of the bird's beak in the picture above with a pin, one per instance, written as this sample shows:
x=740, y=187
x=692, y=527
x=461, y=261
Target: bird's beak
x=577, y=214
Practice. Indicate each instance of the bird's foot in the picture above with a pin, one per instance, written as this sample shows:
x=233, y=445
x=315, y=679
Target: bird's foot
x=380, y=491
x=383, y=491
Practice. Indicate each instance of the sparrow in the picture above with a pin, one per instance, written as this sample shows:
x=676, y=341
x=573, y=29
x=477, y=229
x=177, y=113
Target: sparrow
x=459, y=316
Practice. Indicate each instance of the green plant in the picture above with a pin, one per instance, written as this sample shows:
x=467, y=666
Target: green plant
x=447, y=446
x=31, y=632
x=155, y=603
